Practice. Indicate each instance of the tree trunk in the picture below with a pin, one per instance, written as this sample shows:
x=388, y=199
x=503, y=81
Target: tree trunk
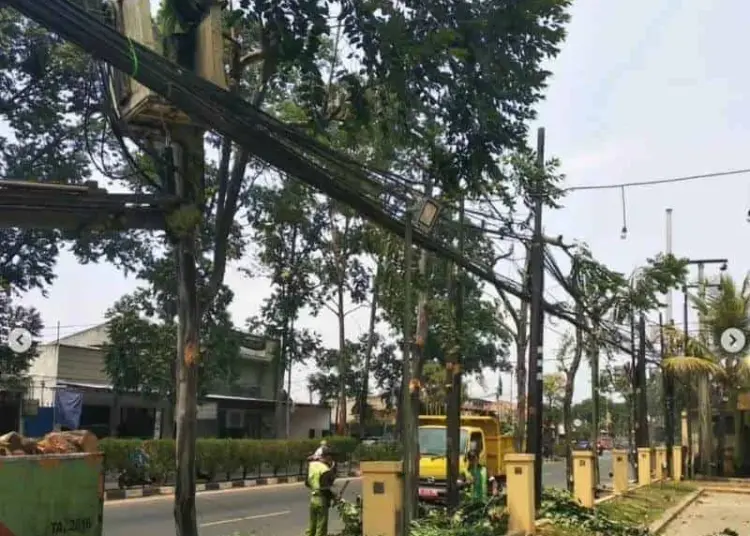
x=363, y=404
x=279, y=363
x=721, y=433
x=705, y=433
x=343, y=358
x=740, y=449
x=521, y=348
x=568, y=425
x=167, y=420
x=594, y=360
x=189, y=156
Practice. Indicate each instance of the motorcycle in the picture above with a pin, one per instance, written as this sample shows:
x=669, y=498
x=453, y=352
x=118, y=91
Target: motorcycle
x=137, y=474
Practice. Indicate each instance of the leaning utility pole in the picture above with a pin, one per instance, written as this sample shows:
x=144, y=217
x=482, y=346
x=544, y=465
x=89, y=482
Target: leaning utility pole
x=642, y=429
x=536, y=329
x=455, y=378
x=409, y=427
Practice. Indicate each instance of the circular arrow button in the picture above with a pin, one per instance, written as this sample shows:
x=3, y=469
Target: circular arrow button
x=733, y=340
x=19, y=340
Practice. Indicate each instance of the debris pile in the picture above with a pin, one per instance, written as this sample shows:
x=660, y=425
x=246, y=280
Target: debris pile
x=14, y=444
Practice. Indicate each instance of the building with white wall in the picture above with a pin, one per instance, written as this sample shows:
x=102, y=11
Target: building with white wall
x=243, y=407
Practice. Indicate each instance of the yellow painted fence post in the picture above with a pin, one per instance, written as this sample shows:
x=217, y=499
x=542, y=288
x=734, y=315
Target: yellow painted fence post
x=382, y=498
x=519, y=471
x=620, y=471
x=644, y=466
x=583, y=477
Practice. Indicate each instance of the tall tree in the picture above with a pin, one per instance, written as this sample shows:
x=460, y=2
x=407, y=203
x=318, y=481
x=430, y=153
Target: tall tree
x=722, y=307
x=288, y=222
x=485, y=338
x=344, y=282
x=45, y=100
x=139, y=356
x=14, y=366
x=554, y=389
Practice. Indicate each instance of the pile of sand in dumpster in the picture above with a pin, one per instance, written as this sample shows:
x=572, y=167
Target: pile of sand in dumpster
x=14, y=444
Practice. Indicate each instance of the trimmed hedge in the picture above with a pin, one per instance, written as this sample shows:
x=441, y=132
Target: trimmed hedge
x=219, y=459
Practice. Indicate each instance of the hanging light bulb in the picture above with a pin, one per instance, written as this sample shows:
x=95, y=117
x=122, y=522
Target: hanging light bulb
x=748, y=216
x=624, y=233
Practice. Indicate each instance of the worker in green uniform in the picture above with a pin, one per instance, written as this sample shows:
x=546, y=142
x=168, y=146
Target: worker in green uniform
x=320, y=476
x=477, y=477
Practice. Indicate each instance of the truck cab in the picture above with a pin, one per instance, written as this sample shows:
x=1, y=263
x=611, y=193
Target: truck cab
x=481, y=434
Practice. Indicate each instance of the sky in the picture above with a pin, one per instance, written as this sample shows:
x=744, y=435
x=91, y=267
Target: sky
x=641, y=90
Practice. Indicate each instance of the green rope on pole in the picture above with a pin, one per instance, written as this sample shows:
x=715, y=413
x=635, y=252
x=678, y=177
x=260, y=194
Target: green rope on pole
x=134, y=57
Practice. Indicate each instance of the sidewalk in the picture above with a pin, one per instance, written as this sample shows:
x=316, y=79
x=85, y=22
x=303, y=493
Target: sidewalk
x=711, y=514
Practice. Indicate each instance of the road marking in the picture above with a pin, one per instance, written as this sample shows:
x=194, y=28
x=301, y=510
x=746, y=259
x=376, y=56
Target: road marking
x=265, y=488
x=248, y=518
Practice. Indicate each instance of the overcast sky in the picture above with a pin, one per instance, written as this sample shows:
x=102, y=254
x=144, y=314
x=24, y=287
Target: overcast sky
x=642, y=90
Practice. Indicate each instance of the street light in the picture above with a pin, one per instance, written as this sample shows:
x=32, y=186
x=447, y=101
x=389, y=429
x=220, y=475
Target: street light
x=429, y=210
x=424, y=215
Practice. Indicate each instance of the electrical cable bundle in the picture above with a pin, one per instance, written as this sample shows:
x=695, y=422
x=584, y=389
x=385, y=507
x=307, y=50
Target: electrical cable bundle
x=269, y=139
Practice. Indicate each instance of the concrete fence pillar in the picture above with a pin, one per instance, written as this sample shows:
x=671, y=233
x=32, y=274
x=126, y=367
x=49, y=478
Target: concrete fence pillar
x=677, y=463
x=583, y=477
x=620, y=471
x=382, y=498
x=644, y=466
x=519, y=471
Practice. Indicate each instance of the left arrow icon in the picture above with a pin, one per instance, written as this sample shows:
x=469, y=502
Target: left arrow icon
x=19, y=340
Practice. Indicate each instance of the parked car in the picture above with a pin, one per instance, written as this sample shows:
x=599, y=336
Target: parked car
x=369, y=441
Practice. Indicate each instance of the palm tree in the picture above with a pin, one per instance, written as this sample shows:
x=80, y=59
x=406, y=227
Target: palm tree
x=721, y=307
x=724, y=306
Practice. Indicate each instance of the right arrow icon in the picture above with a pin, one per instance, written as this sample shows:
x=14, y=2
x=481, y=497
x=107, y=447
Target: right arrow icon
x=733, y=341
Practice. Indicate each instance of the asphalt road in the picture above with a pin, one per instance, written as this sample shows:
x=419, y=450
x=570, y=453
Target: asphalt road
x=264, y=511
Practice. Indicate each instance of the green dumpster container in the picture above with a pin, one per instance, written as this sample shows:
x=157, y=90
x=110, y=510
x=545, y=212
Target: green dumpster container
x=51, y=494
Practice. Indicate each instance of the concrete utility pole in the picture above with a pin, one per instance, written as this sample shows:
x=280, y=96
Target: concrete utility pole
x=668, y=381
x=705, y=431
x=453, y=420
x=668, y=310
x=536, y=329
x=690, y=462
x=642, y=429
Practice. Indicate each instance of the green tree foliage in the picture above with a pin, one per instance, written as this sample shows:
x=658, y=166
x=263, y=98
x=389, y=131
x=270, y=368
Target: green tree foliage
x=14, y=366
x=554, y=389
x=139, y=356
x=44, y=94
x=287, y=226
x=485, y=337
x=434, y=392
x=327, y=380
x=475, y=68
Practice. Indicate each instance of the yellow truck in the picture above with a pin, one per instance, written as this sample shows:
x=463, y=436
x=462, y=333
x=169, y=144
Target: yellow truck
x=481, y=434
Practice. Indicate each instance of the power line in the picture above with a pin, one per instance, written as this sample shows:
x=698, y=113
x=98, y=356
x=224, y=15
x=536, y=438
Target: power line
x=653, y=182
